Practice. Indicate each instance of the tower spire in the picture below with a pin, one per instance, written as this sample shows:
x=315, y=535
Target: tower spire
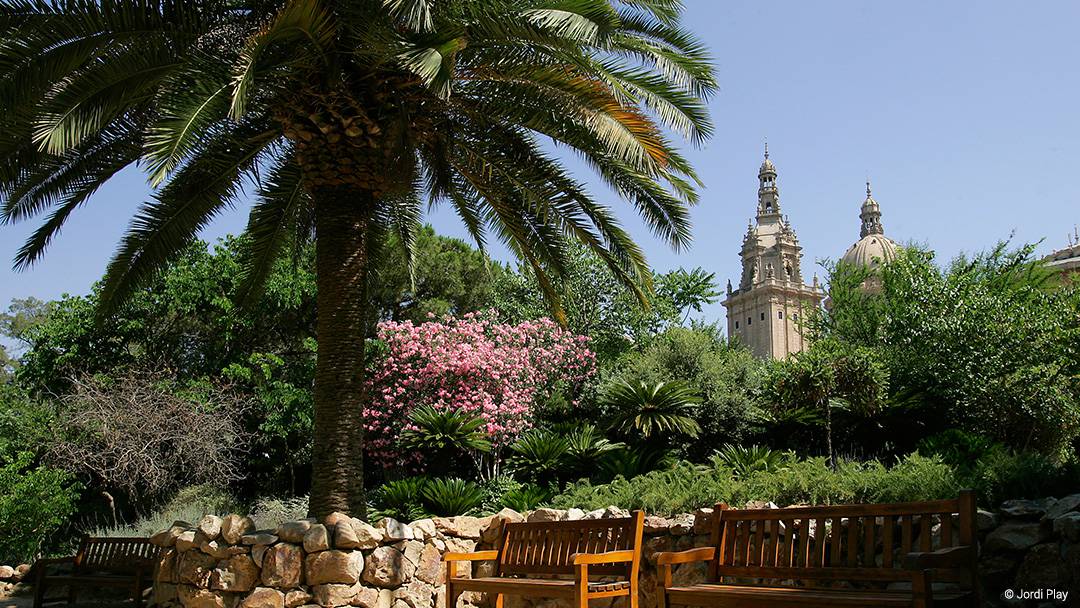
x=768, y=193
x=870, y=215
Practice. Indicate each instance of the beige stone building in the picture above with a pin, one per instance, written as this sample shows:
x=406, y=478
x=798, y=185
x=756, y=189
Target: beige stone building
x=1067, y=259
x=873, y=248
x=765, y=313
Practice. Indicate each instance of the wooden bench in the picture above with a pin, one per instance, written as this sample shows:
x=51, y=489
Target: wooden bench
x=101, y=562
x=533, y=555
x=844, y=555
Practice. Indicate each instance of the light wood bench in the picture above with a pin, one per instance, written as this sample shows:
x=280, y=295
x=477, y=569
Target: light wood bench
x=101, y=562
x=532, y=555
x=843, y=555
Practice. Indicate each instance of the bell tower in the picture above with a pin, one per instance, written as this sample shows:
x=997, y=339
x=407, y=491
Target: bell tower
x=765, y=313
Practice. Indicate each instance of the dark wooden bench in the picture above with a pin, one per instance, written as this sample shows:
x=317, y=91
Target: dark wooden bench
x=101, y=562
x=843, y=555
x=532, y=556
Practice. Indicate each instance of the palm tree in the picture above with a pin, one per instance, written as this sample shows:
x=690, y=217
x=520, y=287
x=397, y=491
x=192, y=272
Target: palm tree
x=653, y=409
x=345, y=119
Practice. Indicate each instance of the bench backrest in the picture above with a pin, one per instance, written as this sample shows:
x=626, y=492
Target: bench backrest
x=115, y=555
x=841, y=542
x=546, y=547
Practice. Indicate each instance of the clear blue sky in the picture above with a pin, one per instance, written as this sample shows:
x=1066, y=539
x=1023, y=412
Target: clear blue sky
x=963, y=114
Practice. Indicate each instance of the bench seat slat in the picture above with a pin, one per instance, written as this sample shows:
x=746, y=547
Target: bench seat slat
x=743, y=595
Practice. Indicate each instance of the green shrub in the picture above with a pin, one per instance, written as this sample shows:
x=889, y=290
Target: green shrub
x=35, y=502
x=188, y=505
x=268, y=512
x=449, y=497
x=685, y=486
x=400, y=499
x=1001, y=475
x=495, y=489
x=525, y=498
x=744, y=460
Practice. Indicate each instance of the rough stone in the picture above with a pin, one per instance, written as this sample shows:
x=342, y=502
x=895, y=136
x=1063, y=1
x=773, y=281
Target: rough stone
x=387, y=567
x=293, y=531
x=613, y=512
x=393, y=530
x=985, y=521
x=195, y=568
x=1068, y=526
x=264, y=597
x=296, y=598
x=186, y=541
x=424, y=529
x=6, y=573
x=164, y=594
x=238, y=573
x=462, y=526
x=703, y=521
x=460, y=545
x=1028, y=509
x=574, y=514
x=345, y=537
x=281, y=566
x=193, y=597
x=259, y=538
x=654, y=524
x=167, y=537
x=165, y=571
x=1065, y=505
x=417, y=594
x=333, y=594
x=545, y=514
x=343, y=567
x=429, y=567
x=335, y=518
x=210, y=526
x=595, y=514
x=1042, y=568
x=367, y=597
x=234, y=527
x=317, y=538
x=411, y=550
x=1015, y=536
x=682, y=524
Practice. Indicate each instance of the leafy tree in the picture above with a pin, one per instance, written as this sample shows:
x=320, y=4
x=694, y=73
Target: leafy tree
x=447, y=277
x=826, y=376
x=727, y=379
x=988, y=344
x=597, y=305
x=442, y=437
x=37, y=500
x=652, y=410
x=346, y=116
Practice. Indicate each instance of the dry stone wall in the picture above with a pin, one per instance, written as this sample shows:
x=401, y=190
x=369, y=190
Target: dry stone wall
x=341, y=561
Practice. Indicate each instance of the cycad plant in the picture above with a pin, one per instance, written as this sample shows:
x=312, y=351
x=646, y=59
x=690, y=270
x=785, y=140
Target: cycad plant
x=444, y=437
x=651, y=410
x=586, y=447
x=343, y=120
x=447, y=497
x=538, y=455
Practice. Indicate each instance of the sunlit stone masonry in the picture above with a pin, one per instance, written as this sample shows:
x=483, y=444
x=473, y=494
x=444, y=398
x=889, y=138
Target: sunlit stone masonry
x=224, y=562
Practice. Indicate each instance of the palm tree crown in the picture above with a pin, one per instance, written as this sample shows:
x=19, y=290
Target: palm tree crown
x=346, y=118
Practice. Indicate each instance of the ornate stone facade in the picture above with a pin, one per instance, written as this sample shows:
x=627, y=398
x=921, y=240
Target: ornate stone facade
x=1067, y=259
x=765, y=313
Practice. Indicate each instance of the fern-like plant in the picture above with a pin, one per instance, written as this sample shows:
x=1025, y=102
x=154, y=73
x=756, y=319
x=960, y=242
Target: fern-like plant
x=526, y=498
x=653, y=409
x=443, y=437
x=449, y=497
x=745, y=460
x=538, y=455
x=401, y=499
x=629, y=462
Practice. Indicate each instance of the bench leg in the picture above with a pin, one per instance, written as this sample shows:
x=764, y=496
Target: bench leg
x=39, y=590
x=922, y=590
x=498, y=600
x=581, y=586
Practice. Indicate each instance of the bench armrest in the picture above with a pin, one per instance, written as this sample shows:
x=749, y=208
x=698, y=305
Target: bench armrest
x=609, y=557
x=471, y=557
x=952, y=557
x=701, y=554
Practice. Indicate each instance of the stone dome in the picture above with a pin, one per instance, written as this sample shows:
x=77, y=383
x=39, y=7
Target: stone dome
x=767, y=166
x=870, y=251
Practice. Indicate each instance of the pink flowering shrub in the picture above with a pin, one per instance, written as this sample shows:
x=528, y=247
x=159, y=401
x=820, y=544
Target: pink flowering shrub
x=472, y=364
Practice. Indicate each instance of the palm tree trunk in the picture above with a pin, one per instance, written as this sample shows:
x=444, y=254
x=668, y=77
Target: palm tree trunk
x=828, y=434
x=341, y=256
